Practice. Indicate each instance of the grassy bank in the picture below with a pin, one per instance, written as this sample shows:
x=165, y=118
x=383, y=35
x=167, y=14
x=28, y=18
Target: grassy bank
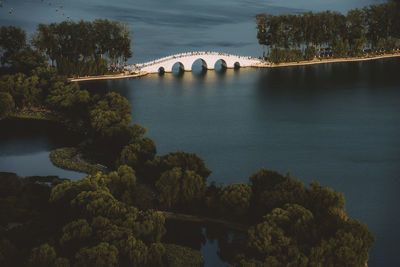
x=33, y=115
x=108, y=77
x=71, y=158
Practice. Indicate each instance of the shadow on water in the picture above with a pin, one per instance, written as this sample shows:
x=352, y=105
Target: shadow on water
x=34, y=136
x=25, y=146
x=331, y=76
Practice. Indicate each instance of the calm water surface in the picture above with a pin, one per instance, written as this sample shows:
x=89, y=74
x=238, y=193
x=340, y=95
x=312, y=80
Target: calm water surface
x=25, y=147
x=338, y=123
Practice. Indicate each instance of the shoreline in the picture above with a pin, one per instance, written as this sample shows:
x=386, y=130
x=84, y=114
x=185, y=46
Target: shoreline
x=70, y=158
x=108, y=77
x=259, y=65
x=324, y=61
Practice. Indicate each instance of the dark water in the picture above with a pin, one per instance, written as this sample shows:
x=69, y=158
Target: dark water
x=161, y=28
x=215, y=243
x=337, y=124
x=25, y=147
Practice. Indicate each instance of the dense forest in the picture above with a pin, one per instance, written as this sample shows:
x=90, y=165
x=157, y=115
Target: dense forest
x=373, y=29
x=116, y=217
x=77, y=49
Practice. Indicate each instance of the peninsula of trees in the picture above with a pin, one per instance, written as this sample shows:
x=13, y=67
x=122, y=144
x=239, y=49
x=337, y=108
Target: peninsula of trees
x=291, y=38
x=115, y=217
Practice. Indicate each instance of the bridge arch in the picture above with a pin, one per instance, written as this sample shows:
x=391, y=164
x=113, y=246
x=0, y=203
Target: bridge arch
x=178, y=66
x=199, y=66
x=201, y=61
x=236, y=65
x=220, y=64
x=161, y=70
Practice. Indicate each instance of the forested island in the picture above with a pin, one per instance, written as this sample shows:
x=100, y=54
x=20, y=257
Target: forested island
x=371, y=31
x=116, y=215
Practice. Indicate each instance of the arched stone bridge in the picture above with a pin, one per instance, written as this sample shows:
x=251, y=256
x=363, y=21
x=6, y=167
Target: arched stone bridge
x=186, y=60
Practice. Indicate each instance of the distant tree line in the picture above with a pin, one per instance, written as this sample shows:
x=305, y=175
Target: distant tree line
x=298, y=37
x=82, y=48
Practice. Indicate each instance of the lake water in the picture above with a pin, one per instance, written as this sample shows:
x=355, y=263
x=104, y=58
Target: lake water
x=25, y=146
x=337, y=123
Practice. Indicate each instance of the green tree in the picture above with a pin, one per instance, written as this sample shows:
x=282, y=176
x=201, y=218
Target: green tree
x=288, y=191
x=148, y=226
x=235, y=199
x=68, y=99
x=24, y=90
x=156, y=254
x=137, y=153
x=178, y=187
x=325, y=201
x=262, y=33
x=168, y=187
x=348, y=247
x=356, y=25
x=182, y=256
x=275, y=239
x=45, y=256
x=12, y=40
x=110, y=115
x=6, y=104
x=265, y=179
x=309, y=53
x=78, y=230
x=134, y=250
x=122, y=183
x=98, y=203
x=341, y=49
x=185, y=161
x=357, y=48
x=103, y=254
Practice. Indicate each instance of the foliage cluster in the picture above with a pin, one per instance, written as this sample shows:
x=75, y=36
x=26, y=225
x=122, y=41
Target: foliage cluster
x=81, y=48
x=105, y=120
x=296, y=226
x=376, y=27
x=70, y=158
x=64, y=223
x=278, y=55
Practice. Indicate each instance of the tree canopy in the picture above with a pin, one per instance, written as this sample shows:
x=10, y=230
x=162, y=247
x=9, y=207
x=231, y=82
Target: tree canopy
x=80, y=48
x=327, y=33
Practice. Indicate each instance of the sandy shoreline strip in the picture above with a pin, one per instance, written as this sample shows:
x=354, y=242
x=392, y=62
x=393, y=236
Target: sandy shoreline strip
x=108, y=77
x=260, y=65
x=323, y=61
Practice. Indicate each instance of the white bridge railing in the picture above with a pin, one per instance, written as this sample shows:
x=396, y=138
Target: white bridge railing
x=207, y=56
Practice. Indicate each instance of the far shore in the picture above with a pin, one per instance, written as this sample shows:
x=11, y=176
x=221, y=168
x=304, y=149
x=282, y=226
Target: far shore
x=108, y=77
x=323, y=61
x=259, y=65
